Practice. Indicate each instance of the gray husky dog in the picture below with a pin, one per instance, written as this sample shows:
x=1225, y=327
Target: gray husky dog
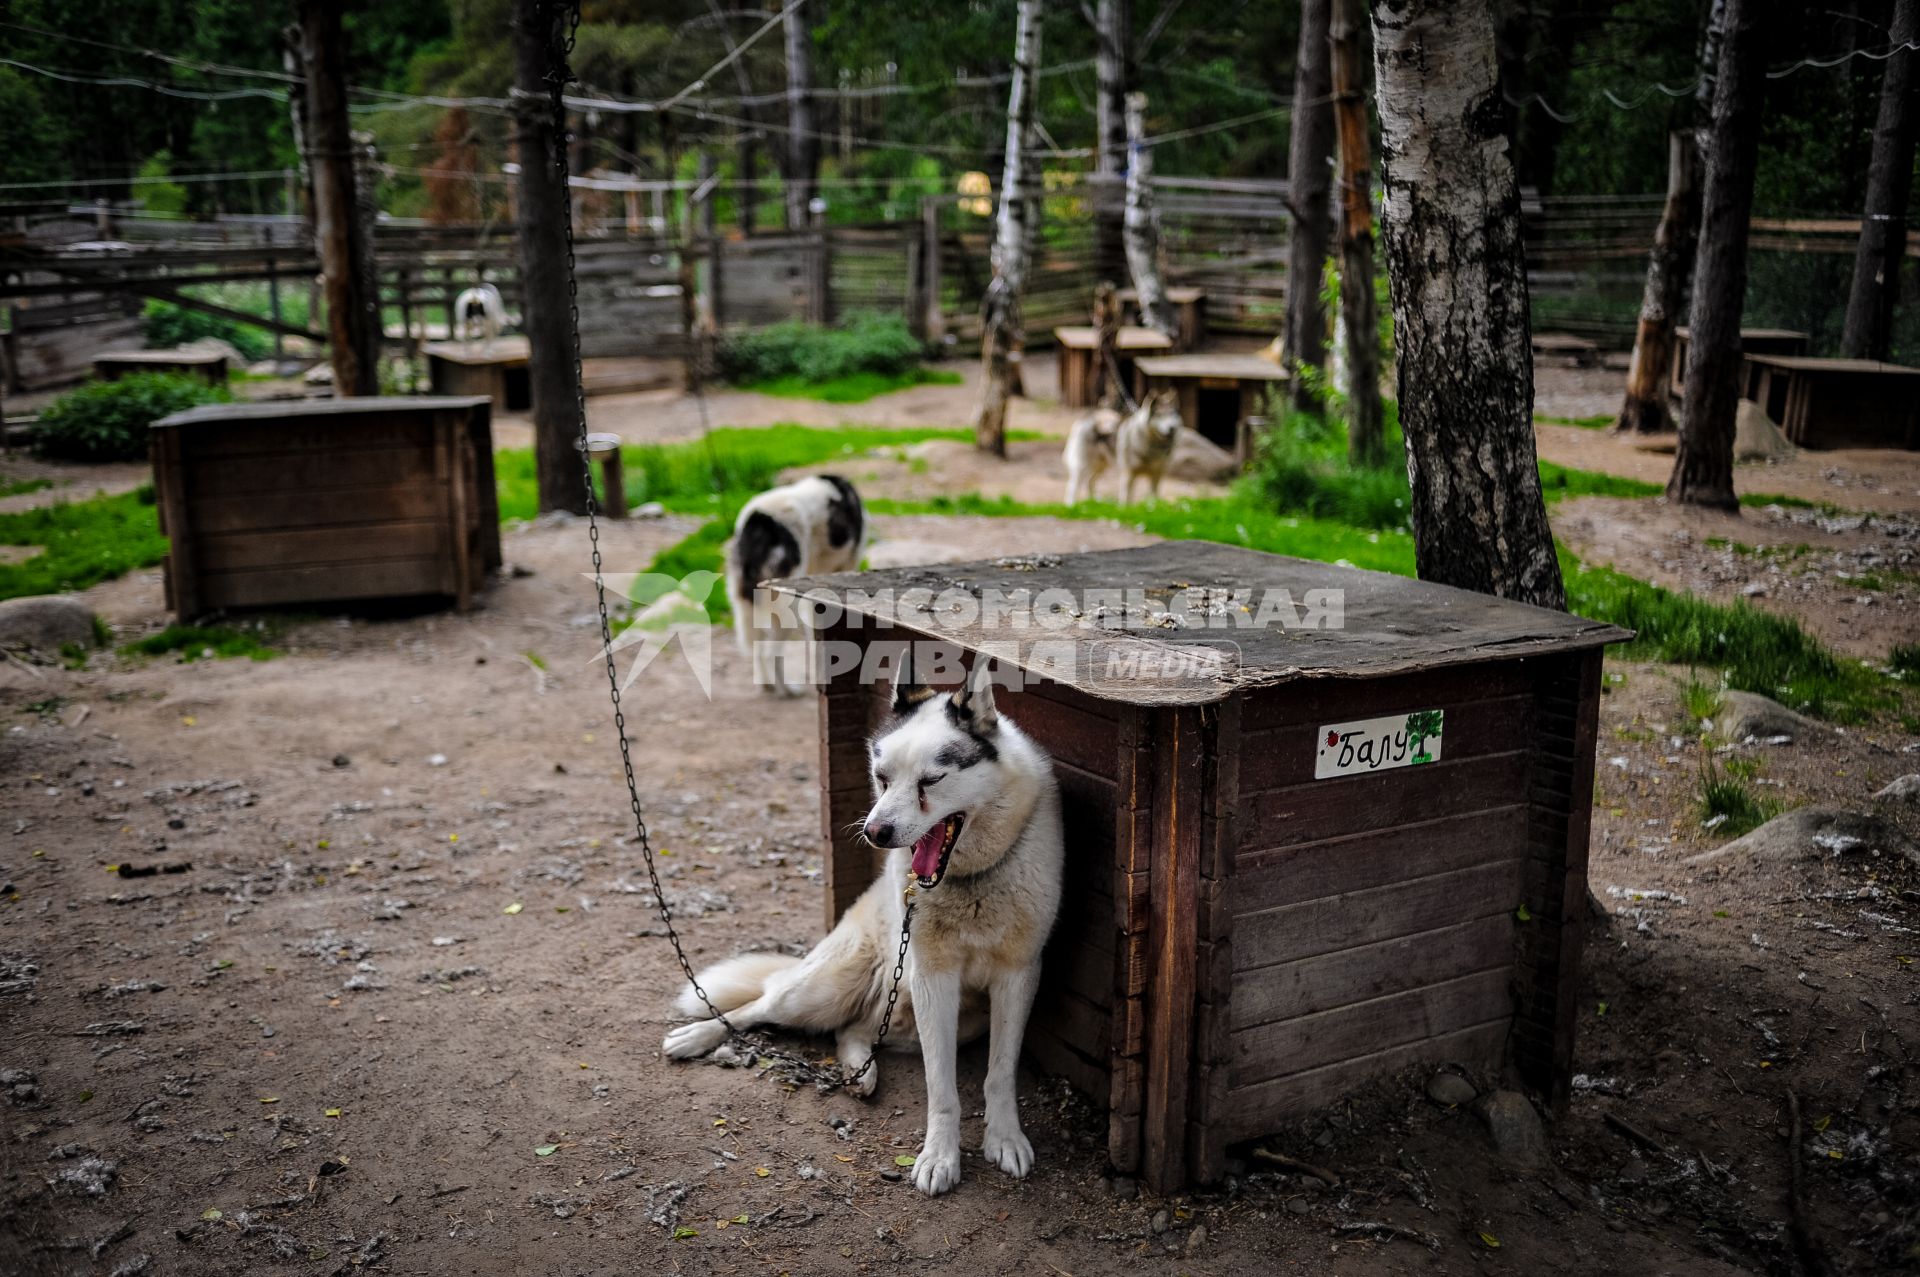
x=1139, y=444
x=969, y=806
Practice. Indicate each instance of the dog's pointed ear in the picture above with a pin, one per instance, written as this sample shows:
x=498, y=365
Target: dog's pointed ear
x=973, y=699
x=907, y=694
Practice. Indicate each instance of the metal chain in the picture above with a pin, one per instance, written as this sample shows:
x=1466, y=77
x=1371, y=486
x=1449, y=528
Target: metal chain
x=559, y=75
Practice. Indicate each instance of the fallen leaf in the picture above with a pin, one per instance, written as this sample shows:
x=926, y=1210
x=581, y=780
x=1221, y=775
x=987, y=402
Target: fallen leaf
x=333, y=1112
x=719, y=1121
x=1823, y=1123
x=85, y=1096
x=211, y=1212
x=546, y=1150
x=681, y=1233
x=1601, y=1009
x=453, y=837
x=841, y=1157
x=762, y=1171
x=515, y=907
x=1493, y=1243
x=1523, y=913
x=188, y=720
x=903, y=1160
x=740, y=1219
x=269, y=1099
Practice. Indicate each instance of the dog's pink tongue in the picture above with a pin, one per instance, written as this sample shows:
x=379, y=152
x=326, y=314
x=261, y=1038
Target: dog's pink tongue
x=926, y=852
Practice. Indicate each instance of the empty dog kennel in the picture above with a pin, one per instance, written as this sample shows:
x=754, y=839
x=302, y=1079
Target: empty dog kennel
x=1254, y=924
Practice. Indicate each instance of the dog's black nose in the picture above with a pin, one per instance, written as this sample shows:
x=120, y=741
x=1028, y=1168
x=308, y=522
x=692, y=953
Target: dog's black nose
x=880, y=835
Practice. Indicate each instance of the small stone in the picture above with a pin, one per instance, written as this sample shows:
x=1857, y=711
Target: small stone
x=436, y=760
x=1125, y=1188
x=837, y=1123
x=1298, y=1206
x=1517, y=1134
x=1161, y=1220
x=1745, y=715
x=892, y=1177
x=341, y=760
x=1905, y=790
x=649, y=510
x=1197, y=1238
x=1450, y=1089
x=1754, y=589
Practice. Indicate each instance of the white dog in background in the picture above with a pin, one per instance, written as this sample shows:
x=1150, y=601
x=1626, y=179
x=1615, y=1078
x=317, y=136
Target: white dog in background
x=814, y=526
x=1141, y=445
x=971, y=810
x=479, y=313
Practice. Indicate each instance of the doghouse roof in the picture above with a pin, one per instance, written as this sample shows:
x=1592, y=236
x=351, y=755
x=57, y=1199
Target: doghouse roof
x=1392, y=625
x=270, y=410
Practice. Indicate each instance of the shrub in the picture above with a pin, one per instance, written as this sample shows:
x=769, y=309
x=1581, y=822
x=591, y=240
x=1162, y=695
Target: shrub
x=1300, y=467
x=166, y=324
x=108, y=420
x=863, y=344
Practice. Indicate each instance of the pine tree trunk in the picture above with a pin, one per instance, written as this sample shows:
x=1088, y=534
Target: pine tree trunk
x=1112, y=72
x=1142, y=227
x=1309, y=153
x=353, y=311
x=1883, y=229
x=542, y=231
x=1669, y=267
x=1465, y=370
x=803, y=144
x=1002, y=334
x=1703, y=466
x=1366, y=432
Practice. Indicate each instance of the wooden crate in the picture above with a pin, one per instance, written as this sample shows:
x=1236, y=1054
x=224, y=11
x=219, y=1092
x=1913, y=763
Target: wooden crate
x=1078, y=351
x=1837, y=403
x=1243, y=943
x=496, y=369
x=209, y=365
x=1219, y=394
x=322, y=500
x=1753, y=341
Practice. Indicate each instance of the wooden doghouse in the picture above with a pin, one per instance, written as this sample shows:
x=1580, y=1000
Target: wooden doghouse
x=1219, y=394
x=209, y=365
x=1189, y=314
x=1078, y=352
x=1275, y=890
x=1838, y=403
x=1753, y=341
x=269, y=504
x=497, y=369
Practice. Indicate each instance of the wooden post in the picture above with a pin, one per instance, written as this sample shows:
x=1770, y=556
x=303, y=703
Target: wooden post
x=353, y=311
x=1311, y=225
x=408, y=345
x=1366, y=431
x=605, y=451
x=273, y=309
x=820, y=294
x=936, y=321
x=1173, y=976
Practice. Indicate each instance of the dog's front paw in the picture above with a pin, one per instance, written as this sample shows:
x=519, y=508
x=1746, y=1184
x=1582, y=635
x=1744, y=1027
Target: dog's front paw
x=1010, y=1150
x=696, y=1039
x=937, y=1169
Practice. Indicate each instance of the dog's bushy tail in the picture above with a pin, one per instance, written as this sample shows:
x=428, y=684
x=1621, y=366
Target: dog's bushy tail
x=735, y=982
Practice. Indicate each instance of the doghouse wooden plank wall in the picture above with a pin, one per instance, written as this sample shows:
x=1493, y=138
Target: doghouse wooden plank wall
x=1257, y=922
x=268, y=504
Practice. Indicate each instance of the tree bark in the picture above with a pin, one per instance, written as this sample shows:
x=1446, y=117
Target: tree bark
x=1002, y=334
x=1669, y=267
x=1454, y=256
x=1113, y=76
x=1703, y=465
x=353, y=311
x=1366, y=431
x=1309, y=156
x=541, y=227
x=1142, y=226
x=1883, y=228
x=803, y=144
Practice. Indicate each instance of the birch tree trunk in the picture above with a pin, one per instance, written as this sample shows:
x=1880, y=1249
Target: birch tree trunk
x=1112, y=71
x=1883, y=228
x=1309, y=156
x=1366, y=433
x=1001, y=331
x=353, y=311
x=1703, y=466
x=1454, y=256
x=541, y=228
x=1143, y=229
x=1669, y=267
x=803, y=143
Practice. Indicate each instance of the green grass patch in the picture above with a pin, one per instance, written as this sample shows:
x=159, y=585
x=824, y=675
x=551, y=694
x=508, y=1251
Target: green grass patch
x=1599, y=421
x=1904, y=661
x=1702, y=699
x=16, y=487
x=205, y=642
x=863, y=343
x=82, y=543
x=853, y=387
x=1728, y=804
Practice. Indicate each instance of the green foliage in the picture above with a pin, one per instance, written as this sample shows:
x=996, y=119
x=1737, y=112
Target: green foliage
x=156, y=195
x=29, y=154
x=83, y=543
x=167, y=324
x=198, y=642
x=108, y=420
x=1702, y=698
x=1727, y=800
x=1905, y=661
x=878, y=344
x=15, y=487
x=854, y=387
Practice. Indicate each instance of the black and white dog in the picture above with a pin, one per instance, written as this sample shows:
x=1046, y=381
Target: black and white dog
x=479, y=312
x=815, y=525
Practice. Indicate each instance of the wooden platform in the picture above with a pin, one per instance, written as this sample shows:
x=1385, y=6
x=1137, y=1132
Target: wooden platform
x=323, y=500
x=496, y=369
x=111, y=365
x=1839, y=403
x=1189, y=314
x=1753, y=341
x=1259, y=921
x=1219, y=394
x=1078, y=349
x=1578, y=352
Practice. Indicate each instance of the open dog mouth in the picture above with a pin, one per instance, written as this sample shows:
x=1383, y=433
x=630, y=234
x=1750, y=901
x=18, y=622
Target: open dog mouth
x=930, y=853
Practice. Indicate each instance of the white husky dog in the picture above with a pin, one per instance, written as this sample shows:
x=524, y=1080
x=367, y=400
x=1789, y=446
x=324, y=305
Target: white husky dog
x=479, y=312
x=970, y=807
x=815, y=525
x=1141, y=445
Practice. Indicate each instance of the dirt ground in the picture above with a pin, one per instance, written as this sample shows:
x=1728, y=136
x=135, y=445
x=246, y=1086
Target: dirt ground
x=400, y=1012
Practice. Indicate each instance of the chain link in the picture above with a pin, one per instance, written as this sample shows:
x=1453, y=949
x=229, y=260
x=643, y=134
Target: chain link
x=559, y=75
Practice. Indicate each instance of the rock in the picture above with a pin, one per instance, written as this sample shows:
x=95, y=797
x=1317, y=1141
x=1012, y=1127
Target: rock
x=1904, y=790
x=1754, y=590
x=1197, y=1238
x=1125, y=1188
x=341, y=760
x=1450, y=1088
x=1298, y=1205
x=649, y=510
x=1810, y=832
x=1197, y=457
x=892, y=1177
x=1755, y=437
x=42, y=622
x=1745, y=715
x=1518, y=1137
x=1161, y=1221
